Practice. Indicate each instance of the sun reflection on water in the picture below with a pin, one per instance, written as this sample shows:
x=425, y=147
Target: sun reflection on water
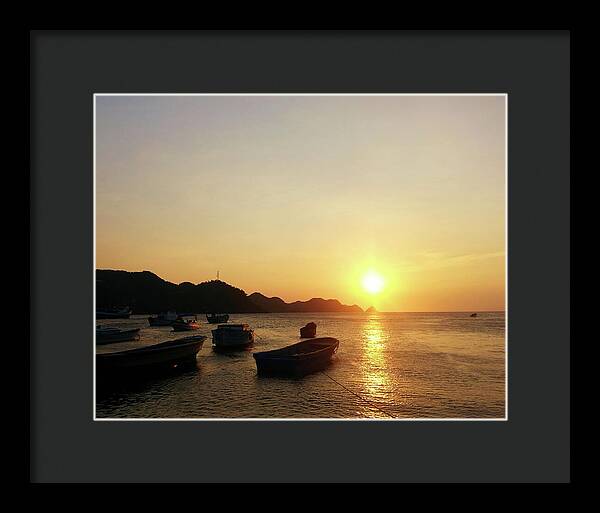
x=375, y=371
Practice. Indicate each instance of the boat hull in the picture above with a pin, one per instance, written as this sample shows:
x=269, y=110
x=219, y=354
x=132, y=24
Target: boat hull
x=121, y=336
x=232, y=339
x=187, y=327
x=113, y=315
x=288, y=361
x=165, y=355
x=153, y=321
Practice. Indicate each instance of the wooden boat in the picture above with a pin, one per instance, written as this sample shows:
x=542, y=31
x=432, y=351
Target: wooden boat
x=166, y=354
x=182, y=325
x=113, y=313
x=308, y=331
x=217, y=318
x=473, y=315
x=298, y=359
x=109, y=335
x=163, y=319
x=228, y=336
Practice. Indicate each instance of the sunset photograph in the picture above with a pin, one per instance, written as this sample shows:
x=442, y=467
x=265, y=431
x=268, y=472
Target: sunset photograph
x=300, y=256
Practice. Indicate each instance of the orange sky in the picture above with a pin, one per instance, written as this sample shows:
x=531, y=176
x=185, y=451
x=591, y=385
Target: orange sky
x=300, y=196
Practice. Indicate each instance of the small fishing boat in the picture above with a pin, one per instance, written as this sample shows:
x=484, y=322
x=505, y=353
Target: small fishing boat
x=109, y=335
x=182, y=325
x=298, y=359
x=217, y=318
x=228, y=336
x=166, y=354
x=163, y=319
x=113, y=313
x=308, y=331
x=473, y=315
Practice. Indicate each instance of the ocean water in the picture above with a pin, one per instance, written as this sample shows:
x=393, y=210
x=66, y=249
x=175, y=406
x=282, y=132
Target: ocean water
x=389, y=365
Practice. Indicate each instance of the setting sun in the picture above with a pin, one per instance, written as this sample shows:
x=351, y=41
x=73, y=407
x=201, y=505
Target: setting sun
x=373, y=282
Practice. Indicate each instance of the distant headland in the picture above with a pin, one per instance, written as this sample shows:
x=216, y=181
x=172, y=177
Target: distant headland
x=145, y=292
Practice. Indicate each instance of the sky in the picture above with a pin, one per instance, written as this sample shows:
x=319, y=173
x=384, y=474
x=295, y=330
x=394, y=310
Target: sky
x=303, y=196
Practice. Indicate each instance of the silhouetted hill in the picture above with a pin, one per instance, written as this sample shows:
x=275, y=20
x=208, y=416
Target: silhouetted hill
x=145, y=292
x=371, y=309
x=268, y=304
x=277, y=305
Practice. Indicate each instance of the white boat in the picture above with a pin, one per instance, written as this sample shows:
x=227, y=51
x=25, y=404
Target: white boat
x=217, y=318
x=232, y=336
x=163, y=319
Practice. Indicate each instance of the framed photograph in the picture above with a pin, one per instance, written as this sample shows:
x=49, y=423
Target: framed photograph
x=348, y=251
x=391, y=207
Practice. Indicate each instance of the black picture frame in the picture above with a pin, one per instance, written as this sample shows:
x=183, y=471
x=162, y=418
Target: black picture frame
x=68, y=67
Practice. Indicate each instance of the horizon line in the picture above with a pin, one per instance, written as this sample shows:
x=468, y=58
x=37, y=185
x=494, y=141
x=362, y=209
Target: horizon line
x=307, y=300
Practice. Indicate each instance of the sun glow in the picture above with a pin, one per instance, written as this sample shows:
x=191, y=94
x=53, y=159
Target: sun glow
x=373, y=282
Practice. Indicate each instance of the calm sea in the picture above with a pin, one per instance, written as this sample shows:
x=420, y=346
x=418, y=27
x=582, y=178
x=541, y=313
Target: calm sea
x=389, y=365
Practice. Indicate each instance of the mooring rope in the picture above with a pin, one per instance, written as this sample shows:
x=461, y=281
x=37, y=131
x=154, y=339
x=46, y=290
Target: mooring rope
x=370, y=403
x=360, y=397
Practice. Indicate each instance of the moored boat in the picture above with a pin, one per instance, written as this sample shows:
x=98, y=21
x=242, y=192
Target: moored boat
x=308, y=331
x=228, y=336
x=163, y=319
x=297, y=359
x=109, y=335
x=166, y=354
x=113, y=313
x=217, y=318
x=182, y=325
